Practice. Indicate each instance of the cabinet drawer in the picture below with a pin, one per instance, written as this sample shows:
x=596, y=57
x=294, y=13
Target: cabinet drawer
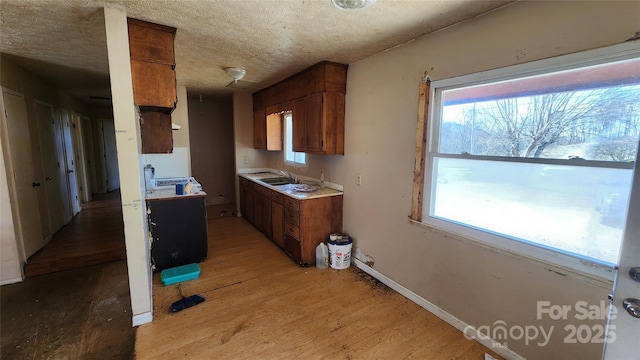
x=292, y=231
x=292, y=204
x=277, y=197
x=292, y=217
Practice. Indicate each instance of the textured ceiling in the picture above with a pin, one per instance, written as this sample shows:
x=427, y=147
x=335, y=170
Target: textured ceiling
x=64, y=41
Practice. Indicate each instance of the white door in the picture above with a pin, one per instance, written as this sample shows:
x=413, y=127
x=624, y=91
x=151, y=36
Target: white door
x=80, y=152
x=67, y=212
x=624, y=328
x=111, y=155
x=87, y=135
x=52, y=182
x=21, y=169
x=70, y=163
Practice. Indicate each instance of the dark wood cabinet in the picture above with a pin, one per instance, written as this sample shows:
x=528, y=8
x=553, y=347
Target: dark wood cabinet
x=260, y=129
x=178, y=227
x=151, y=42
x=267, y=129
x=277, y=223
x=154, y=81
x=309, y=222
x=316, y=97
x=154, y=86
x=246, y=199
x=297, y=226
x=155, y=130
x=318, y=124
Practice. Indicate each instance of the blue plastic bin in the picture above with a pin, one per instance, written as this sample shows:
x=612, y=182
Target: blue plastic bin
x=180, y=274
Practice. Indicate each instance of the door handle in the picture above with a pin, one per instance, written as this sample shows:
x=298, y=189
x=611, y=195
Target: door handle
x=34, y=184
x=632, y=306
x=69, y=171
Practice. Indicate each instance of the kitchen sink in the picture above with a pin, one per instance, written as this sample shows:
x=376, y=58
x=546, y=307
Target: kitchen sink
x=276, y=180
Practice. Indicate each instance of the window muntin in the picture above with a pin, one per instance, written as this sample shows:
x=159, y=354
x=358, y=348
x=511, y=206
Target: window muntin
x=291, y=157
x=543, y=159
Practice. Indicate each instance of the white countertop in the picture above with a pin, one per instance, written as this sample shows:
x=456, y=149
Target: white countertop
x=170, y=194
x=290, y=189
x=167, y=189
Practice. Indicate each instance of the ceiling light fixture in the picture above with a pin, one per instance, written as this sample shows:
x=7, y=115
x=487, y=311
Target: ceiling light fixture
x=352, y=4
x=235, y=73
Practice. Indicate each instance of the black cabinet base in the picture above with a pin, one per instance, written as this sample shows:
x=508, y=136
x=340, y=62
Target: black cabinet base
x=179, y=230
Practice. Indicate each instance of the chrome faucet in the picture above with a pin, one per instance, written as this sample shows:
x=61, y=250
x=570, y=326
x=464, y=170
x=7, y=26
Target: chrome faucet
x=292, y=179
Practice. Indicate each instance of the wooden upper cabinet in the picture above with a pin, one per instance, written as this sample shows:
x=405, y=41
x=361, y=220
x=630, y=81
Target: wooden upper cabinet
x=267, y=129
x=324, y=76
x=318, y=124
x=316, y=97
x=155, y=130
x=154, y=86
x=151, y=42
x=260, y=129
x=152, y=65
x=298, y=122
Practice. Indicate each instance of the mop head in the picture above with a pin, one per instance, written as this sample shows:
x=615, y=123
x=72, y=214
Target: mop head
x=186, y=302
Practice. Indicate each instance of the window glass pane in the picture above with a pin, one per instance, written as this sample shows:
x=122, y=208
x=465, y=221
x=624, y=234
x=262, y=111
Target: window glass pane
x=289, y=155
x=575, y=209
x=592, y=113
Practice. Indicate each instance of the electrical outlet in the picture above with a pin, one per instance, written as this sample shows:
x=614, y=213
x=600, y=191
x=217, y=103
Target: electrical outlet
x=359, y=179
x=245, y=159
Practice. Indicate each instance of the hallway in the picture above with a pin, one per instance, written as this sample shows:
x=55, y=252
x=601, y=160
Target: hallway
x=94, y=236
x=74, y=302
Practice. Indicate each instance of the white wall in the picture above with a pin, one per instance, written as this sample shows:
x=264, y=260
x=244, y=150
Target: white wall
x=476, y=284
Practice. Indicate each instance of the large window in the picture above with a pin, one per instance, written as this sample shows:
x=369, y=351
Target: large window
x=540, y=154
x=291, y=157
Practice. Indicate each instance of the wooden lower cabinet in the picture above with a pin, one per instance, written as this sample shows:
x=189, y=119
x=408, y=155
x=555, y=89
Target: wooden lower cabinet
x=277, y=222
x=297, y=226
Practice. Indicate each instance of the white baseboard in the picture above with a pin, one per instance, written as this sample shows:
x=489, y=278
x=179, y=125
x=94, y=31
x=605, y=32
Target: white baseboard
x=143, y=318
x=11, y=281
x=495, y=346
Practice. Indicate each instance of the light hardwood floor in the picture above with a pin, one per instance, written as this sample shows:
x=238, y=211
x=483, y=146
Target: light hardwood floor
x=261, y=305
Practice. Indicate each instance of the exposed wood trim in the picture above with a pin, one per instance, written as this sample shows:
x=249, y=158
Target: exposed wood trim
x=421, y=145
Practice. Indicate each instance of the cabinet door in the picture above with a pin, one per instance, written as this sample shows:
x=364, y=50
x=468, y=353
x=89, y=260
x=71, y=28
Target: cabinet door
x=277, y=223
x=259, y=129
x=155, y=131
x=314, y=122
x=154, y=85
x=248, y=204
x=179, y=230
x=258, y=209
x=266, y=217
x=298, y=120
x=292, y=247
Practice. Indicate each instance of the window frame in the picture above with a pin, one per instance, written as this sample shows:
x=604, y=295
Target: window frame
x=427, y=144
x=288, y=146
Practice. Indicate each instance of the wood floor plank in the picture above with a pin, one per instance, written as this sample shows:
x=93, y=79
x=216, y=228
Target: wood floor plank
x=261, y=305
